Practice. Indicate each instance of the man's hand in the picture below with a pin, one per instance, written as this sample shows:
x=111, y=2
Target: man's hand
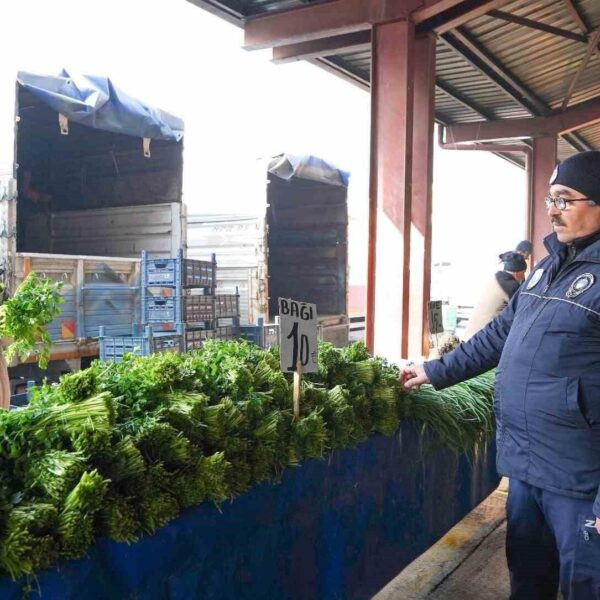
x=413, y=376
x=598, y=524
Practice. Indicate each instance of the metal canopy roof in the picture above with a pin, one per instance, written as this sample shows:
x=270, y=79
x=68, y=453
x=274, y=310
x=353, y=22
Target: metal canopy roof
x=523, y=58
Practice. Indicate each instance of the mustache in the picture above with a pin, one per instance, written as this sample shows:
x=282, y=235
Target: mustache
x=556, y=221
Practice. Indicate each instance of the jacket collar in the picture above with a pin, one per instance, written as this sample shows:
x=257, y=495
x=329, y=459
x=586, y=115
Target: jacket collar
x=588, y=247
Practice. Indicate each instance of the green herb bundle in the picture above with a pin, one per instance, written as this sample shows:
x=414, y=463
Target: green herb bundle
x=118, y=450
x=25, y=315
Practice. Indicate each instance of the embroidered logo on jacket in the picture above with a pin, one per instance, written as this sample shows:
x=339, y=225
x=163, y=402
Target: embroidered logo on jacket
x=580, y=284
x=535, y=278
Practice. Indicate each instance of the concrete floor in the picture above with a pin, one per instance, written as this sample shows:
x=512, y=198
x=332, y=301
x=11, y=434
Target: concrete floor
x=468, y=563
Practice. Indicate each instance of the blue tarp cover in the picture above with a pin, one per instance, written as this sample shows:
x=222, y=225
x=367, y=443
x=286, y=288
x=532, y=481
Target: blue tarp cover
x=333, y=529
x=98, y=103
x=305, y=166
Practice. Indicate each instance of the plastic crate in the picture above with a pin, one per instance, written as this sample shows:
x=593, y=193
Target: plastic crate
x=178, y=272
x=260, y=334
x=161, y=309
x=229, y=332
x=195, y=338
x=197, y=309
x=227, y=306
x=191, y=310
x=114, y=348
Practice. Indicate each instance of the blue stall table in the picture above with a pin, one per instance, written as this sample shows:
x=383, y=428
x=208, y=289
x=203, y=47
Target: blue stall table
x=337, y=528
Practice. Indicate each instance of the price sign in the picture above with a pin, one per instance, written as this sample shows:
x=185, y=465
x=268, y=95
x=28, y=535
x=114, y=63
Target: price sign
x=435, y=318
x=298, y=335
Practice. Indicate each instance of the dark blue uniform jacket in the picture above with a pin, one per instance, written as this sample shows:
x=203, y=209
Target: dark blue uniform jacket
x=546, y=345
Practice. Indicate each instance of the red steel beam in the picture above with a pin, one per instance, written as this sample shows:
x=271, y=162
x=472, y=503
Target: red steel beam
x=432, y=8
x=372, y=239
x=421, y=205
x=541, y=165
x=354, y=42
x=456, y=16
x=321, y=20
x=390, y=190
x=339, y=17
x=575, y=117
x=373, y=187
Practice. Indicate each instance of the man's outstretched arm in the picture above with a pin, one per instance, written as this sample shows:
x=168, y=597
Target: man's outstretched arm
x=477, y=355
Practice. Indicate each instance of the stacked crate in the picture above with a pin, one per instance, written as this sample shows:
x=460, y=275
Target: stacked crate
x=225, y=322
x=179, y=294
x=180, y=310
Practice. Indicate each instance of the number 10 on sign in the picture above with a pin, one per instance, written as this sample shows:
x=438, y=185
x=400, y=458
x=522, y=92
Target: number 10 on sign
x=298, y=336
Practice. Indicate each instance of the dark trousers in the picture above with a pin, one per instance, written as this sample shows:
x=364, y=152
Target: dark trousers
x=551, y=539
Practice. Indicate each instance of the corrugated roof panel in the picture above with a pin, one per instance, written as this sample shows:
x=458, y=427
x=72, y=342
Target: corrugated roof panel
x=564, y=149
x=591, y=135
x=544, y=62
x=455, y=70
x=450, y=110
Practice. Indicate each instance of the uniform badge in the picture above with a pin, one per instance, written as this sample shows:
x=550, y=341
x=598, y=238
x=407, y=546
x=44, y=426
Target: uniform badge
x=580, y=284
x=554, y=175
x=535, y=278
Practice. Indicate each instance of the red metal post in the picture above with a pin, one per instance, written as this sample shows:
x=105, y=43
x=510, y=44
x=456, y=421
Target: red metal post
x=422, y=176
x=372, y=244
x=390, y=193
x=542, y=163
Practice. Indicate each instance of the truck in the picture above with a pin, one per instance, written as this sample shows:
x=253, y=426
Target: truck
x=94, y=177
x=294, y=244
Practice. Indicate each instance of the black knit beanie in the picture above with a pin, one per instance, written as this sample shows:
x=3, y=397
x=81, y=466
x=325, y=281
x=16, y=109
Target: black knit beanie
x=524, y=246
x=580, y=172
x=513, y=261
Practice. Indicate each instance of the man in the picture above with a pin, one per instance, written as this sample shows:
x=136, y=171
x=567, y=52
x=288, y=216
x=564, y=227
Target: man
x=497, y=293
x=524, y=248
x=546, y=345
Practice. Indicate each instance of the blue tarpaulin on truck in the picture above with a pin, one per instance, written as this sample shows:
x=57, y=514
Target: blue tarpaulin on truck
x=97, y=102
x=310, y=167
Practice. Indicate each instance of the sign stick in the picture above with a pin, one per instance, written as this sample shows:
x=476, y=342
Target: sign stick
x=297, y=384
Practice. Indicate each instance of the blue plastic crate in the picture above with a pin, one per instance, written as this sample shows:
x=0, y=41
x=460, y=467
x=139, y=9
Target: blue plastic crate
x=114, y=348
x=179, y=272
x=161, y=309
x=197, y=311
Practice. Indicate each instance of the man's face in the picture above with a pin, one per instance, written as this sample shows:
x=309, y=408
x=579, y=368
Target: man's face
x=577, y=220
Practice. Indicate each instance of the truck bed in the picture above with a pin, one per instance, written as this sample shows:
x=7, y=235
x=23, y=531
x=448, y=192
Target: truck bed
x=98, y=290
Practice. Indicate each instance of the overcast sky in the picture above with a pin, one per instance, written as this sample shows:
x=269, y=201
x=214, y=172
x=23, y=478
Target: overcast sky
x=239, y=107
